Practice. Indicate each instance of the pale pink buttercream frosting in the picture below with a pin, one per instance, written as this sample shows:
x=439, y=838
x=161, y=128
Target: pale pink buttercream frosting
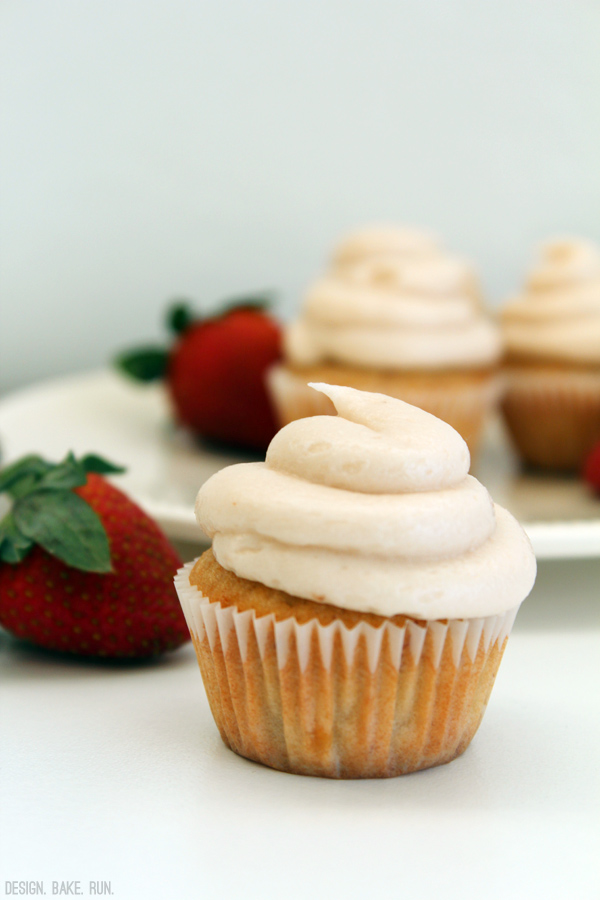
x=557, y=316
x=393, y=299
x=384, y=240
x=372, y=510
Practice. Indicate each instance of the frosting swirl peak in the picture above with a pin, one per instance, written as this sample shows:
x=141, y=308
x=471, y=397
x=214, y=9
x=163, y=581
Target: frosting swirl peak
x=557, y=317
x=393, y=299
x=370, y=510
x=384, y=240
x=373, y=445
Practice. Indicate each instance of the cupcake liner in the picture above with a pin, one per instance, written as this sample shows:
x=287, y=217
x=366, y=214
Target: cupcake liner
x=464, y=406
x=553, y=415
x=341, y=702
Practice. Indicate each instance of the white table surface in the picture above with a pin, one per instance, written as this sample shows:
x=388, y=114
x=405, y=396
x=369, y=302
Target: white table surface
x=118, y=774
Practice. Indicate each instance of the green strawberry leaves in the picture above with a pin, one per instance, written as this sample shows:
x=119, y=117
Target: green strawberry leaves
x=149, y=363
x=93, y=463
x=66, y=475
x=22, y=474
x=143, y=364
x=64, y=525
x=14, y=546
x=46, y=512
x=180, y=316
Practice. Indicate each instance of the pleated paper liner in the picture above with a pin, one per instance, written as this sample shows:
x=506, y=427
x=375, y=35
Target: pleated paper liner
x=462, y=401
x=553, y=415
x=341, y=702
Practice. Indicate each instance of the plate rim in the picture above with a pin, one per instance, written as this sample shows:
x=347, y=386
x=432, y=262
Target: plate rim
x=560, y=539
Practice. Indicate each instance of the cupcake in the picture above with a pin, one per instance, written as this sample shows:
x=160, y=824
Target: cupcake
x=394, y=314
x=552, y=335
x=352, y=612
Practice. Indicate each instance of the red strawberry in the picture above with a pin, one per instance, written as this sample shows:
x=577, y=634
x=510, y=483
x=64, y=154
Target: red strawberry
x=591, y=468
x=82, y=568
x=215, y=372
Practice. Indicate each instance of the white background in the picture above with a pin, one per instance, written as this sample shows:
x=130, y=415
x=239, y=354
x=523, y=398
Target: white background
x=118, y=773
x=159, y=148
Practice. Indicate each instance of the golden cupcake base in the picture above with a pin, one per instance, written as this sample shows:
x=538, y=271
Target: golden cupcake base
x=338, y=700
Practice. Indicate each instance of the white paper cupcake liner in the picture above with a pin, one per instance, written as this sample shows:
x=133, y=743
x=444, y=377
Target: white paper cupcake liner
x=343, y=702
x=553, y=416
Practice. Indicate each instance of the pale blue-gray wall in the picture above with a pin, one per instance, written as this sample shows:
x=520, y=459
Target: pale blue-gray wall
x=164, y=147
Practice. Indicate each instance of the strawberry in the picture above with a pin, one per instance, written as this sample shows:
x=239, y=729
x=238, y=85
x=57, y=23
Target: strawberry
x=83, y=569
x=215, y=372
x=591, y=468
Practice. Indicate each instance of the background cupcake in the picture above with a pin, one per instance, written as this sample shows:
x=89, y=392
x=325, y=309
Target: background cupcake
x=352, y=613
x=552, y=334
x=398, y=315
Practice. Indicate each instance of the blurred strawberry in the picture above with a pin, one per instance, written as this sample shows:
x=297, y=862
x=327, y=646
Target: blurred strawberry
x=83, y=569
x=215, y=371
x=591, y=468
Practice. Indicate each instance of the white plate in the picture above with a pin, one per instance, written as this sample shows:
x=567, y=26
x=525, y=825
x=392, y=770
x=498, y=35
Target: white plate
x=104, y=413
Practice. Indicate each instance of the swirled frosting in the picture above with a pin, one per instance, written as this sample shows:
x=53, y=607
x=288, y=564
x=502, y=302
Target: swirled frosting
x=384, y=241
x=557, y=317
x=393, y=299
x=371, y=510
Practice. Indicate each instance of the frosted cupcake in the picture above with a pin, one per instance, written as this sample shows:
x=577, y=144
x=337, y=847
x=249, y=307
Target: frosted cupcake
x=394, y=314
x=352, y=613
x=552, y=334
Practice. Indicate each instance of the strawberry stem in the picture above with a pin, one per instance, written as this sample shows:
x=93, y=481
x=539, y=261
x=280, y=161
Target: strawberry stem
x=180, y=316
